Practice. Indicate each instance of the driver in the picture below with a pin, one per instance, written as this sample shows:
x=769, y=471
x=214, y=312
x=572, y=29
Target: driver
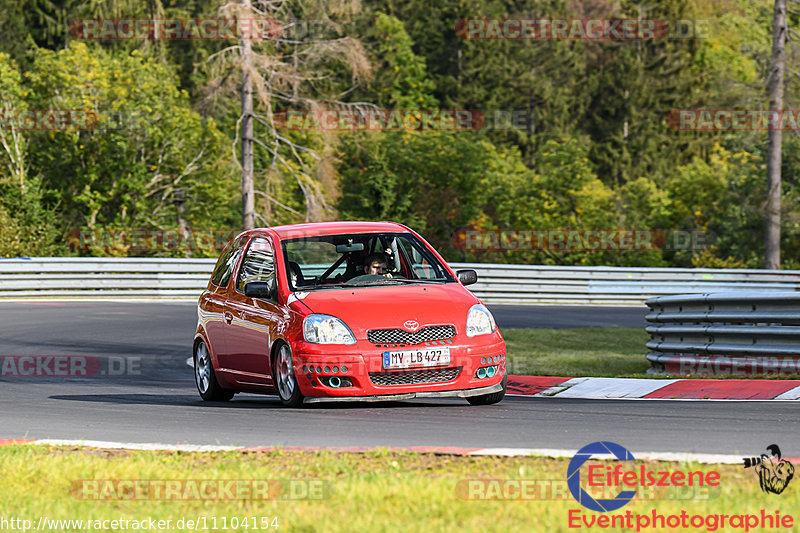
x=377, y=263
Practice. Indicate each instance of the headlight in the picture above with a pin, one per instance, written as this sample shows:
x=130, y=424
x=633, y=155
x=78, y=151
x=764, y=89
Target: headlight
x=479, y=321
x=326, y=329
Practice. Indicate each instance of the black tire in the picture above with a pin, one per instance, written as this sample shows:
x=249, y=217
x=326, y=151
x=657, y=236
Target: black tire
x=488, y=399
x=285, y=378
x=206, y=379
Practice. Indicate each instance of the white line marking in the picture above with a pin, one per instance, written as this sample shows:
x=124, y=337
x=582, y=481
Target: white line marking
x=504, y=452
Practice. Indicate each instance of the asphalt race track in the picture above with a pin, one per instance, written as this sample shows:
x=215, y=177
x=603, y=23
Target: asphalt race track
x=143, y=391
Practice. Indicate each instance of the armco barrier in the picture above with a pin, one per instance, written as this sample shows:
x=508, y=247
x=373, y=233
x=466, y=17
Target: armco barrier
x=735, y=333
x=524, y=284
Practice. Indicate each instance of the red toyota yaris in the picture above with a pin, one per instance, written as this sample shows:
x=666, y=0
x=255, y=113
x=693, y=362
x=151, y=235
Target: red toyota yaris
x=344, y=311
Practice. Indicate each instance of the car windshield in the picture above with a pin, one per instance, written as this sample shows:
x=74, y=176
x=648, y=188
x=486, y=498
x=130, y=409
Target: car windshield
x=360, y=260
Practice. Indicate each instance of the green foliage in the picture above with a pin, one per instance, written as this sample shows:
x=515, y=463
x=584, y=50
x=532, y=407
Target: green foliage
x=720, y=197
x=148, y=144
x=27, y=227
x=591, y=151
x=401, y=80
x=430, y=181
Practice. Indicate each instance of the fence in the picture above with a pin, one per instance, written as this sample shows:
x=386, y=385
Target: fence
x=739, y=333
x=522, y=284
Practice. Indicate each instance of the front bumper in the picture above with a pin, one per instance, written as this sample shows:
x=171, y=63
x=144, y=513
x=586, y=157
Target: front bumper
x=466, y=393
x=361, y=366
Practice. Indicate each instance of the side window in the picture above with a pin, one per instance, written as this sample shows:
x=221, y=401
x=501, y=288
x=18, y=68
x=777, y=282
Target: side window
x=226, y=262
x=258, y=264
x=423, y=264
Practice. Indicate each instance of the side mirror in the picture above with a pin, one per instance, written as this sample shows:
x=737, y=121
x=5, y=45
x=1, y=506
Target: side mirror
x=467, y=277
x=260, y=289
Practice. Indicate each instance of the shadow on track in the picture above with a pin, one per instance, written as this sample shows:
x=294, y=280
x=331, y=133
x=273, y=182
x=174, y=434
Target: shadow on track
x=249, y=403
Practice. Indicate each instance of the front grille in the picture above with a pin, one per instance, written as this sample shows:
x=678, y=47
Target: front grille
x=401, y=336
x=414, y=377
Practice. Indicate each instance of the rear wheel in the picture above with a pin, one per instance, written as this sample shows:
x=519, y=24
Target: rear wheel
x=487, y=399
x=204, y=377
x=285, y=379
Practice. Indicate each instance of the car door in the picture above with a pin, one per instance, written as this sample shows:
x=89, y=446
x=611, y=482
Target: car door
x=213, y=312
x=252, y=330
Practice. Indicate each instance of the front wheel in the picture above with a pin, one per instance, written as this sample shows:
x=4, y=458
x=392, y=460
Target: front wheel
x=205, y=379
x=285, y=380
x=487, y=399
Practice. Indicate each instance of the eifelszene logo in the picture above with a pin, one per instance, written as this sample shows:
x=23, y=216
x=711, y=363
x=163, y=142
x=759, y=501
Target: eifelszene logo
x=574, y=476
x=774, y=473
x=606, y=480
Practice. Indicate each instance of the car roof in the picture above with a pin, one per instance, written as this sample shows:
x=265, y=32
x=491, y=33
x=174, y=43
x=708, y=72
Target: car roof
x=333, y=228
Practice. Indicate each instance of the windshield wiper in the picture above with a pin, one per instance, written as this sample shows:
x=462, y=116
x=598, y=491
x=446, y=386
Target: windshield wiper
x=420, y=281
x=305, y=288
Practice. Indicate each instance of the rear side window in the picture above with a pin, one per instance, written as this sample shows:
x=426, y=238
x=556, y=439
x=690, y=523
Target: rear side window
x=226, y=262
x=258, y=264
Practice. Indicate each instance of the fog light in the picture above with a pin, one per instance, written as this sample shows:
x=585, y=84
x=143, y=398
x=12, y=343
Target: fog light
x=344, y=369
x=335, y=369
x=327, y=369
x=483, y=360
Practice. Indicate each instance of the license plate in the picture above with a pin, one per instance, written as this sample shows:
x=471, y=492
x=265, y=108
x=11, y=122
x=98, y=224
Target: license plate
x=417, y=358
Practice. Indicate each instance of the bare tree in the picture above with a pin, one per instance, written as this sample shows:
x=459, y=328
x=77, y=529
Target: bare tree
x=284, y=71
x=772, y=237
x=13, y=138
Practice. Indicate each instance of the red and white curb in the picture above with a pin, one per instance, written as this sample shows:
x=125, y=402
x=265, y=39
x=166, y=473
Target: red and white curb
x=705, y=458
x=654, y=389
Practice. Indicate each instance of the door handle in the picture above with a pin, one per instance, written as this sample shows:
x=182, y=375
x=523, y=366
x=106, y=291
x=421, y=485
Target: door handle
x=228, y=317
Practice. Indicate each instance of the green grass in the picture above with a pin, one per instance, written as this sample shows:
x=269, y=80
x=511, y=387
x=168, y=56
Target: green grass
x=597, y=352
x=376, y=492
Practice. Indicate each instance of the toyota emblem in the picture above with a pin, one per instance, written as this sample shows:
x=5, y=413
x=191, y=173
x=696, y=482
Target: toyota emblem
x=411, y=325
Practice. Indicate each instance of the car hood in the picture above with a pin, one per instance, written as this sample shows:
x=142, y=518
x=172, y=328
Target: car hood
x=364, y=308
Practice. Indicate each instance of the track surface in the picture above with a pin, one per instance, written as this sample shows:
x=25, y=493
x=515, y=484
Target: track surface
x=157, y=402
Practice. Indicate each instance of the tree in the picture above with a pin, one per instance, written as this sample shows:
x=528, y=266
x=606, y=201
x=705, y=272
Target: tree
x=772, y=237
x=147, y=149
x=27, y=227
x=285, y=72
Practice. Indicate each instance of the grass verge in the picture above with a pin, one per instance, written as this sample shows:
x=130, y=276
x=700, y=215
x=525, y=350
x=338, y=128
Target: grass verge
x=597, y=352
x=373, y=492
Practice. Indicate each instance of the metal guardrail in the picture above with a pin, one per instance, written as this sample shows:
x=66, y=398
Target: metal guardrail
x=725, y=333
x=614, y=285
x=524, y=284
x=103, y=277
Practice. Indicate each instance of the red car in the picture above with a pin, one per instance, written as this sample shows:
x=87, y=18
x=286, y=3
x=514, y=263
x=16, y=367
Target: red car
x=344, y=311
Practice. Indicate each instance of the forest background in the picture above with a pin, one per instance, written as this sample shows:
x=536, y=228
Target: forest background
x=575, y=134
